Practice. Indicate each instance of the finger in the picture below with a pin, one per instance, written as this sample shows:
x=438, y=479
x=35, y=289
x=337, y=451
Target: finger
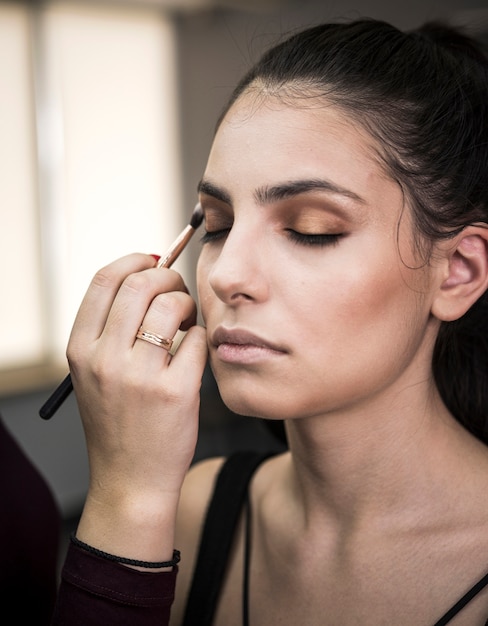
x=163, y=318
x=98, y=300
x=184, y=372
x=137, y=294
x=191, y=357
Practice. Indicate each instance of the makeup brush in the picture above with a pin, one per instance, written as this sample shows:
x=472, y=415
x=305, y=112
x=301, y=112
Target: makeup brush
x=63, y=390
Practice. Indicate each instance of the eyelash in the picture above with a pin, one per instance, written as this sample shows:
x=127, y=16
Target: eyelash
x=313, y=240
x=295, y=236
x=214, y=235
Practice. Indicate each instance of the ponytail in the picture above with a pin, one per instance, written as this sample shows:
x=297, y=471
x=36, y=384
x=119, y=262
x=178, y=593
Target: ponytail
x=460, y=366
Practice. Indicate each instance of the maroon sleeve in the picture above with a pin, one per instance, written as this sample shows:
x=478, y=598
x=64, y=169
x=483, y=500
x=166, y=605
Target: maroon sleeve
x=95, y=591
x=30, y=532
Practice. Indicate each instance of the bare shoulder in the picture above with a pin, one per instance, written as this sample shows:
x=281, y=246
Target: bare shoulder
x=195, y=496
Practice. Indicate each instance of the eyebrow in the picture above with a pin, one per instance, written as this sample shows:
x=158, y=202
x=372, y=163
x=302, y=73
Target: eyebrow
x=269, y=194
x=209, y=188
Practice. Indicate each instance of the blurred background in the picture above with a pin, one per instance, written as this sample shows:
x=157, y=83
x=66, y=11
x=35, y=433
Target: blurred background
x=107, y=111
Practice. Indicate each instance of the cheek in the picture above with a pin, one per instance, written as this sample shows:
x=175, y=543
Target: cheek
x=203, y=288
x=363, y=331
x=365, y=302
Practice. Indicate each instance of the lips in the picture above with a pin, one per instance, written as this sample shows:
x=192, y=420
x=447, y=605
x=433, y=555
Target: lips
x=240, y=337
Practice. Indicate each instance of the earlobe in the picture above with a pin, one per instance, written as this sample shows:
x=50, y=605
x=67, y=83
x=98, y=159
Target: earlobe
x=467, y=277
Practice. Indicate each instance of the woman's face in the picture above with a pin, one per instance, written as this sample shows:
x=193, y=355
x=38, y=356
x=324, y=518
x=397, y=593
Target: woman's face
x=306, y=278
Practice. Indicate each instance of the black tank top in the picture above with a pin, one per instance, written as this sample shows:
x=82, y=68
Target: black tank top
x=228, y=500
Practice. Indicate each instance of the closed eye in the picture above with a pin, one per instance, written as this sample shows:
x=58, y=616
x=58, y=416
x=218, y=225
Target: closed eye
x=295, y=236
x=313, y=239
x=214, y=235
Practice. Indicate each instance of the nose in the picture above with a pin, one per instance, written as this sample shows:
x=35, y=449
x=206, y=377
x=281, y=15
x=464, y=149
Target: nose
x=238, y=271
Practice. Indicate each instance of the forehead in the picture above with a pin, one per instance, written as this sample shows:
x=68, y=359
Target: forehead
x=264, y=137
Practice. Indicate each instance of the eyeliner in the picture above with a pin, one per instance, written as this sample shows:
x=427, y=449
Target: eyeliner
x=63, y=390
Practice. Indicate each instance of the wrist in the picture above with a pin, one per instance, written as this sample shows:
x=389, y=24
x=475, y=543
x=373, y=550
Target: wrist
x=135, y=563
x=135, y=527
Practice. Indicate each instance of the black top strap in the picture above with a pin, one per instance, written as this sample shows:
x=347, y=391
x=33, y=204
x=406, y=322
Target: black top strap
x=218, y=534
x=481, y=584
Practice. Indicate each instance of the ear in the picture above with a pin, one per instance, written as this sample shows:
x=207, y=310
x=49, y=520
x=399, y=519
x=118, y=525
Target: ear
x=467, y=274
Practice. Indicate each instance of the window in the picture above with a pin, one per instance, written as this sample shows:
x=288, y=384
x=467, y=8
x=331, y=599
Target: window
x=89, y=165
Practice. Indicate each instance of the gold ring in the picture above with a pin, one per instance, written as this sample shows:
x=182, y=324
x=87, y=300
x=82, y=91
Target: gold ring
x=155, y=339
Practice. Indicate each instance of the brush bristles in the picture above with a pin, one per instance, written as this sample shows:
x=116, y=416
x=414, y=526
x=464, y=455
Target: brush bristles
x=197, y=216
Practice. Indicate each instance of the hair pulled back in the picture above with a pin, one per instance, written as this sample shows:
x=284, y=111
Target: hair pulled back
x=423, y=95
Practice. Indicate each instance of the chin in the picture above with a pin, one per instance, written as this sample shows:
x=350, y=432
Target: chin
x=248, y=393
x=241, y=406
x=251, y=403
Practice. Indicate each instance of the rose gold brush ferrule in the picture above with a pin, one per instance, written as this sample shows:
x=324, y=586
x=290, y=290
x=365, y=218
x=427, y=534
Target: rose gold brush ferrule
x=177, y=247
x=183, y=238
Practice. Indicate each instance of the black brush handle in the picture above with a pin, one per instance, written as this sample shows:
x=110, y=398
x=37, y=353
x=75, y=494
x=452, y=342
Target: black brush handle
x=56, y=399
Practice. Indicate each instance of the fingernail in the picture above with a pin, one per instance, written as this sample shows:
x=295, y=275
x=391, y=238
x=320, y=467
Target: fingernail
x=156, y=257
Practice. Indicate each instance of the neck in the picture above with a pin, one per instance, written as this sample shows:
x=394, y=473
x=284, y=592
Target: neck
x=375, y=463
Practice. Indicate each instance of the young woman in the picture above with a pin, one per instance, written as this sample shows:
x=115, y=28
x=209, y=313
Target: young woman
x=343, y=285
